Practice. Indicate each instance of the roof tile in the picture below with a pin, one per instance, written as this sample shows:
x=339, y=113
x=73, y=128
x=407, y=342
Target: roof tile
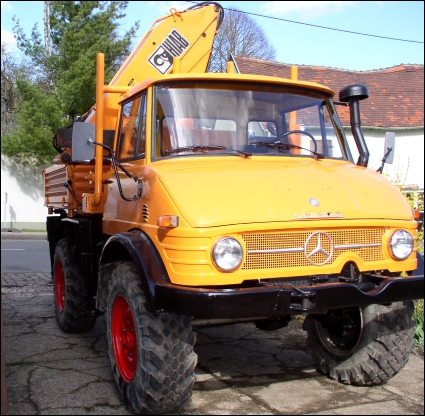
x=396, y=95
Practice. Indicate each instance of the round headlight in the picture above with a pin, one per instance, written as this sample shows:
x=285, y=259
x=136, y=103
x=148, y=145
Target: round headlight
x=401, y=245
x=227, y=254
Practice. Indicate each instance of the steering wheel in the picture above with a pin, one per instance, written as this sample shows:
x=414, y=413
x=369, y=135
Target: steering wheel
x=298, y=132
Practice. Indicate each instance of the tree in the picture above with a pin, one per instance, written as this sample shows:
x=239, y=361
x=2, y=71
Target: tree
x=64, y=83
x=10, y=69
x=37, y=118
x=239, y=35
x=79, y=30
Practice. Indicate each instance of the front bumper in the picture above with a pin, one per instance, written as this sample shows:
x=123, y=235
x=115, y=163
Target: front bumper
x=276, y=300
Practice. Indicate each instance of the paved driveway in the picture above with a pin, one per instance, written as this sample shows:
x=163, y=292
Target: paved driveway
x=241, y=370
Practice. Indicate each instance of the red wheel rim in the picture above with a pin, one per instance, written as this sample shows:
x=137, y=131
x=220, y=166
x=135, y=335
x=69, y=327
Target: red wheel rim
x=59, y=286
x=124, y=338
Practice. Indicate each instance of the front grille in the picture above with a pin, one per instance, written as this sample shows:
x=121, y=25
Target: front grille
x=288, y=250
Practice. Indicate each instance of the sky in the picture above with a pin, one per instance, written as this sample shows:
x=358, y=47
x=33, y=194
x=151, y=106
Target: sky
x=300, y=43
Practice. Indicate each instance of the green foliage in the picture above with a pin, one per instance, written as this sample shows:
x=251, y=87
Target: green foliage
x=416, y=200
x=418, y=316
x=38, y=116
x=90, y=27
x=63, y=86
x=79, y=31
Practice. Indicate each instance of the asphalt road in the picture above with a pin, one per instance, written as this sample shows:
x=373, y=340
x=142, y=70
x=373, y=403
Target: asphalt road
x=25, y=256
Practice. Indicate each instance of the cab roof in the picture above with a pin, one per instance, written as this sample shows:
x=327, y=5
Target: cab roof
x=228, y=77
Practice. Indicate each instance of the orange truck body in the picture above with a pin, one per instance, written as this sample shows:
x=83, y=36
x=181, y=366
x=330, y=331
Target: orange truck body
x=229, y=197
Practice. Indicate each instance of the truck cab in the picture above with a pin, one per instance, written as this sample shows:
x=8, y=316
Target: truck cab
x=229, y=158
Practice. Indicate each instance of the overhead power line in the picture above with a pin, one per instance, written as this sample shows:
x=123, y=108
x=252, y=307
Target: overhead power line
x=320, y=27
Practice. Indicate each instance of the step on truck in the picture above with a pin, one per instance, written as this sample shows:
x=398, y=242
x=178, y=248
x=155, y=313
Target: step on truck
x=184, y=198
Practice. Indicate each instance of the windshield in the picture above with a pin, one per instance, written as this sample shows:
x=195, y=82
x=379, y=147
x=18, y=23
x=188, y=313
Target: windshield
x=194, y=119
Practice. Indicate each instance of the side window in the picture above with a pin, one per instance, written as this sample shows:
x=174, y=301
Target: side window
x=142, y=138
x=130, y=123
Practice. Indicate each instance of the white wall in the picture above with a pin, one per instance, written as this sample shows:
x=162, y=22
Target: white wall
x=408, y=165
x=25, y=196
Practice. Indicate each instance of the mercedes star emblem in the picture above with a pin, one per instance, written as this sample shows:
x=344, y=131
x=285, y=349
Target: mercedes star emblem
x=318, y=248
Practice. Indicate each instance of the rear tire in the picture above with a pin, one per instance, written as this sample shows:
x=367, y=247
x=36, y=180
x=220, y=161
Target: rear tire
x=151, y=354
x=363, y=346
x=70, y=292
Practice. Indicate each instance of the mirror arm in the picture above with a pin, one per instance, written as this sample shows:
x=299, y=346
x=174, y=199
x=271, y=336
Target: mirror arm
x=384, y=159
x=115, y=163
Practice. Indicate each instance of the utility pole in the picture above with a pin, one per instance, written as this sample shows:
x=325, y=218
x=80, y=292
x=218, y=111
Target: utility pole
x=47, y=44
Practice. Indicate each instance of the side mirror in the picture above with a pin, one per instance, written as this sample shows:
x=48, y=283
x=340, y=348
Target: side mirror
x=388, y=150
x=83, y=137
x=389, y=146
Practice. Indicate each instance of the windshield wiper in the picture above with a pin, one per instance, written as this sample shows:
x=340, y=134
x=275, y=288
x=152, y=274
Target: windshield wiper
x=279, y=146
x=204, y=149
x=194, y=148
x=244, y=154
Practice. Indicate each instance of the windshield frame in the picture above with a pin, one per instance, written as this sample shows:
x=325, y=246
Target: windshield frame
x=325, y=102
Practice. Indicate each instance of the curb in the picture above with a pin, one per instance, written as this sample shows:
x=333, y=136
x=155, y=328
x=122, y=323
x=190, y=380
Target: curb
x=23, y=236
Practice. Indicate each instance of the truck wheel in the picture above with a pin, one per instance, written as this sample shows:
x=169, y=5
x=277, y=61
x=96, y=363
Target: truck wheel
x=70, y=295
x=363, y=346
x=151, y=354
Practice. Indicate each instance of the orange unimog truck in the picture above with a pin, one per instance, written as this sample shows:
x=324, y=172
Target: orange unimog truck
x=185, y=198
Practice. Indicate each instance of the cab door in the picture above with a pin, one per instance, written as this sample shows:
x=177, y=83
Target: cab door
x=122, y=202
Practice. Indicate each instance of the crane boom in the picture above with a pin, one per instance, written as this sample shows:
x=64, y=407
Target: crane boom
x=188, y=35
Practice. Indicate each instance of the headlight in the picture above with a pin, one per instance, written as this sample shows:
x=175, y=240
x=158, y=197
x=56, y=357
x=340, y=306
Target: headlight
x=401, y=245
x=227, y=254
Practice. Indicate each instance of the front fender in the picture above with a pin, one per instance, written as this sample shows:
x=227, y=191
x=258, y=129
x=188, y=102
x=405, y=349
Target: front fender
x=132, y=246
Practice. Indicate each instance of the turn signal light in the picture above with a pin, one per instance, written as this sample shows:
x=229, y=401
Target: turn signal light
x=416, y=213
x=168, y=221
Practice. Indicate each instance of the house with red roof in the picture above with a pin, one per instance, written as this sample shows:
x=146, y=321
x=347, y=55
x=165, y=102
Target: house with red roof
x=395, y=104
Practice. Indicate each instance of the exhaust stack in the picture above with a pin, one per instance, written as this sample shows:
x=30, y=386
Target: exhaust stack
x=353, y=94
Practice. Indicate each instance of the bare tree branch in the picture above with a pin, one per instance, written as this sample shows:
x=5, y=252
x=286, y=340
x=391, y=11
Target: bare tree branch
x=239, y=35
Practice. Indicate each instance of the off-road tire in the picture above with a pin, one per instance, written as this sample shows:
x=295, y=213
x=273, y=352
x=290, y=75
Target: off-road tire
x=161, y=377
x=70, y=292
x=380, y=350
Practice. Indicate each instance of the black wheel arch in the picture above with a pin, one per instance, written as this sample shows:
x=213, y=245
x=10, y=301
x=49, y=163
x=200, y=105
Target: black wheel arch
x=56, y=230
x=137, y=247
